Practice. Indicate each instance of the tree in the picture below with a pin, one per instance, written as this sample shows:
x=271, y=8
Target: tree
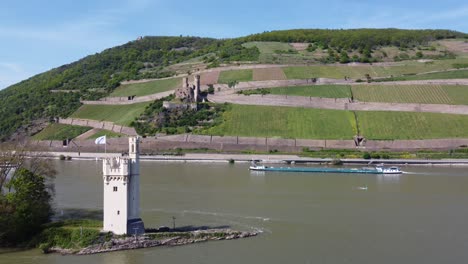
x=344, y=58
x=28, y=207
x=232, y=84
x=25, y=194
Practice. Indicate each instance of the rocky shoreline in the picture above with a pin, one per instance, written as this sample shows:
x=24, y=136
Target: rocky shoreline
x=155, y=240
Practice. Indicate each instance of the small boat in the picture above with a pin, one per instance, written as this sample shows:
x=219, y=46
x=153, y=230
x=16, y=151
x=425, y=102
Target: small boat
x=366, y=170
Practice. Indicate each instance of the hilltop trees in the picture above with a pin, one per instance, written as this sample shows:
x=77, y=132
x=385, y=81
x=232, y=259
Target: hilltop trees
x=357, y=38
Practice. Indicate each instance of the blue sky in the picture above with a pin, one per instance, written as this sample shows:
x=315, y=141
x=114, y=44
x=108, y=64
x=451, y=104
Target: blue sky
x=38, y=35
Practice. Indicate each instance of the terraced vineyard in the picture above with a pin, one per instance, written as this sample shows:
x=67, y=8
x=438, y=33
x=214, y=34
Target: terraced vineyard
x=457, y=74
x=235, y=75
x=141, y=89
x=420, y=94
x=286, y=122
x=407, y=125
x=326, y=91
x=119, y=114
x=268, y=74
x=360, y=71
x=424, y=94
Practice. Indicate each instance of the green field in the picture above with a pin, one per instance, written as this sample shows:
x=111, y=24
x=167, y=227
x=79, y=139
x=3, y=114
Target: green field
x=119, y=114
x=235, y=75
x=408, y=125
x=285, y=122
x=424, y=94
x=107, y=133
x=359, y=72
x=60, y=132
x=141, y=89
x=327, y=91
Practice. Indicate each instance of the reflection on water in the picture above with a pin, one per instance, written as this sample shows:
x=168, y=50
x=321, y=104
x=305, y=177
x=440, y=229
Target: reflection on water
x=304, y=218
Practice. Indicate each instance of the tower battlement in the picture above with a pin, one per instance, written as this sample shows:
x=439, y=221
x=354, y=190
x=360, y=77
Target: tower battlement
x=116, y=166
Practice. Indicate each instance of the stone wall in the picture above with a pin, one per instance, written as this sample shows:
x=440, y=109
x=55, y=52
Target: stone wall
x=230, y=143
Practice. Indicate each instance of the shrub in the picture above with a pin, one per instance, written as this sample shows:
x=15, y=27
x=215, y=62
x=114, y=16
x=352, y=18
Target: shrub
x=62, y=157
x=211, y=89
x=366, y=155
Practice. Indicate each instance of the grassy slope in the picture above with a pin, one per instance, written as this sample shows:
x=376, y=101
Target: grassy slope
x=267, y=51
x=60, y=132
x=236, y=75
x=328, y=91
x=268, y=47
x=406, y=125
x=108, y=133
x=286, y=122
x=140, y=89
x=119, y=114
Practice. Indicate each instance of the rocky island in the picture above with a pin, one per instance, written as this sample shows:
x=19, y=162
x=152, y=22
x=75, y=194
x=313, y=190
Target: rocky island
x=107, y=242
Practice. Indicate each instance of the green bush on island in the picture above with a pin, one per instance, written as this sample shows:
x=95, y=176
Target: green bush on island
x=70, y=234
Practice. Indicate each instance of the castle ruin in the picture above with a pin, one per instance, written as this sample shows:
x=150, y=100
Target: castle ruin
x=189, y=92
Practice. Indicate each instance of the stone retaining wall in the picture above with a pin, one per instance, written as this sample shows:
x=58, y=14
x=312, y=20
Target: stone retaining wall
x=230, y=143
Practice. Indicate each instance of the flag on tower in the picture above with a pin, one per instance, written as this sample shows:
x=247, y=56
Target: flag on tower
x=100, y=140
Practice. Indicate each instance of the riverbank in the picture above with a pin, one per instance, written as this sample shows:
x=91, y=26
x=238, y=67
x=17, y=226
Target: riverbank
x=263, y=158
x=118, y=243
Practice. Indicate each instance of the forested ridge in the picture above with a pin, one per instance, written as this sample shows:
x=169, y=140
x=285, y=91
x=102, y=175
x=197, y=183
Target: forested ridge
x=97, y=75
x=357, y=38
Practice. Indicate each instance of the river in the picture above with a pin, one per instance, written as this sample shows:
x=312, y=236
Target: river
x=418, y=217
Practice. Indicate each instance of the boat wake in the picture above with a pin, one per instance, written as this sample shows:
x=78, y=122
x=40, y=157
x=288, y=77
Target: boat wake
x=231, y=219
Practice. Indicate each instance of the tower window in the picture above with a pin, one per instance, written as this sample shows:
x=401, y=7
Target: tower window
x=115, y=188
x=118, y=212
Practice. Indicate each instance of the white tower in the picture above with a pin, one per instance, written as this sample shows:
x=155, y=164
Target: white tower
x=122, y=192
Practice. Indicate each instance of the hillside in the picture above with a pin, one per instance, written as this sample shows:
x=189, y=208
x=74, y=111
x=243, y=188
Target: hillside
x=45, y=96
